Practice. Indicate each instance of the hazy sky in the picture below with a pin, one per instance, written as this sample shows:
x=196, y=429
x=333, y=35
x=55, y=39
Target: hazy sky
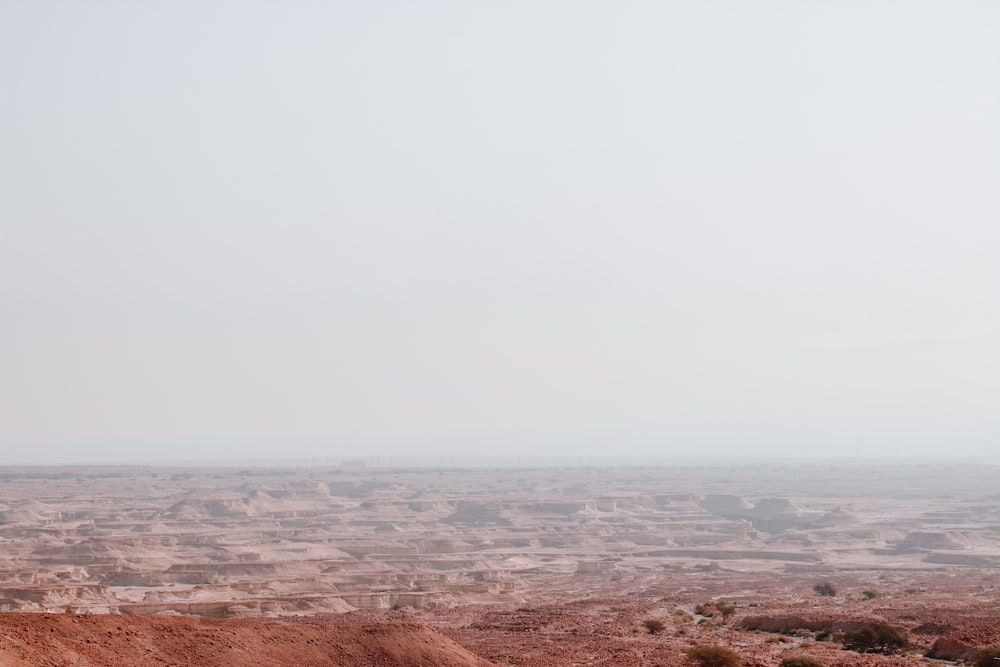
x=248, y=229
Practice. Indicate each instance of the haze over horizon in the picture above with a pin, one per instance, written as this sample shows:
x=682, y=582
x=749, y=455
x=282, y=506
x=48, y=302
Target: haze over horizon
x=252, y=230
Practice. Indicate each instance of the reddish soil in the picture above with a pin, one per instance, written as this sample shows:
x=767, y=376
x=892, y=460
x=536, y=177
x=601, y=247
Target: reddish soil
x=609, y=631
x=105, y=640
x=513, y=567
x=931, y=608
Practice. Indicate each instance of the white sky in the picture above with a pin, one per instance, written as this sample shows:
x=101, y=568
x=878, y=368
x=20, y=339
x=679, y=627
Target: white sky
x=249, y=229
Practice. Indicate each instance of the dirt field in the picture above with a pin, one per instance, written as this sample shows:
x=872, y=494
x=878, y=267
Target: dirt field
x=518, y=566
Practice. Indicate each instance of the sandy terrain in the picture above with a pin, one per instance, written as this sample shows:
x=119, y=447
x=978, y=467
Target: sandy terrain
x=32, y=640
x=519, y=566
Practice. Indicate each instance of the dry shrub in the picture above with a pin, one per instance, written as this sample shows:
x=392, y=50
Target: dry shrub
x=874, y=638
x=988, y=657
x=682, y=616
x=712, y=656
x=708, y=609
x=800, y=662
x=653, y=626
x=825, y=588
x=727, y=609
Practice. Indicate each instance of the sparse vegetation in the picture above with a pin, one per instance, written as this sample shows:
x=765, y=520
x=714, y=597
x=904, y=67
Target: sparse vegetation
x=825, y=588
x=707, y=609
x=874, y=638
x=713, y=609
x=989, y=657
x=864, y=637
x=727, y=609
x=712, y=656
x=682, y=616
x=654, y=626
x=870, y=595
x=801, y=662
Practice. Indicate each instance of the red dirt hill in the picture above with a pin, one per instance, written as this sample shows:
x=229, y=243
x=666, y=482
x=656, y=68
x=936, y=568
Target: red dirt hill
x=343, y=640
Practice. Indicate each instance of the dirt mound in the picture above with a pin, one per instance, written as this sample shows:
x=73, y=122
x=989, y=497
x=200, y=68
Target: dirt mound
x=320, y=641
x=951, y=649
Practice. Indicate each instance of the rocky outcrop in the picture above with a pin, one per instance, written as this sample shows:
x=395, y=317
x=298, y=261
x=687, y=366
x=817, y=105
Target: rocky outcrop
x=920, y=540
x=726, y=506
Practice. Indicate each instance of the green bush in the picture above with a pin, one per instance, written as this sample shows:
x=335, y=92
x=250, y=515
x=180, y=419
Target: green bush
x=712, y=656
x=870, y=595
x=801, y=662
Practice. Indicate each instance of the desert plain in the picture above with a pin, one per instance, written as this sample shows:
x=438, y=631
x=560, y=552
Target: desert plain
x=358, y=564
